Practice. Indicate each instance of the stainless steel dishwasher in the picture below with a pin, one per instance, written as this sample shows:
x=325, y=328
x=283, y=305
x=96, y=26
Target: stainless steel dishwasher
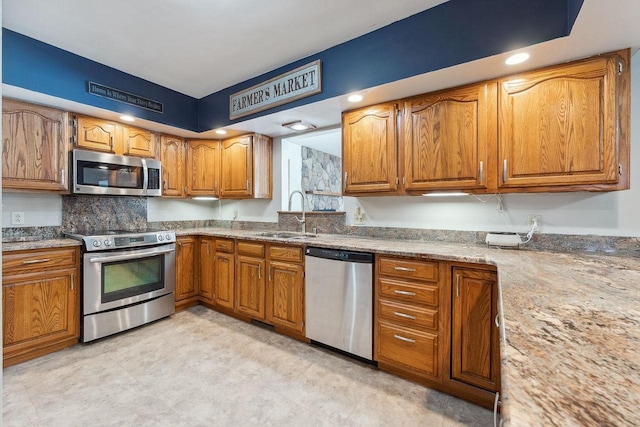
x=339, y=300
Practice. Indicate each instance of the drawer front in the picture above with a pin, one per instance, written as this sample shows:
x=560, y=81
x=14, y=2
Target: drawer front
x=425, y=271
x=286, y=253
x=415, y=293
x=251, y=249
x=224, y=245
x=36, y=260
x=408, y=315
x=408, y=347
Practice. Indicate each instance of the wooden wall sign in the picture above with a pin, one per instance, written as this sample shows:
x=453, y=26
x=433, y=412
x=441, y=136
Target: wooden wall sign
x=296, y=84
x=124, y=97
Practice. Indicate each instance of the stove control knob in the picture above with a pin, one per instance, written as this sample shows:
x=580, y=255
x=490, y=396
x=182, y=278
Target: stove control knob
x=107, y=242
x=168, y=237
x=160, y=238
x=97, y=243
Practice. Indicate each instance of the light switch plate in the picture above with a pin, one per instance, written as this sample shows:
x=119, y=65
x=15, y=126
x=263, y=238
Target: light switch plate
x=17, y=218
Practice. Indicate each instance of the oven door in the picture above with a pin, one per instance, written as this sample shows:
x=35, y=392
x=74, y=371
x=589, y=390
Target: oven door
x=120, y=278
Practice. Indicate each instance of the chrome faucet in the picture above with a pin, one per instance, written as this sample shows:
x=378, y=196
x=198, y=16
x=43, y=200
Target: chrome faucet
x=304, y=202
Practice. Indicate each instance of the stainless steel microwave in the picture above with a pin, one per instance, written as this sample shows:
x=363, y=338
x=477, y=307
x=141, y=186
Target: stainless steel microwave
x=109, y=174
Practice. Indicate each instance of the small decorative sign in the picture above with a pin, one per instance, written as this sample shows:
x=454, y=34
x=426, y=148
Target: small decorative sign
x=125, y=97
x=291, y=86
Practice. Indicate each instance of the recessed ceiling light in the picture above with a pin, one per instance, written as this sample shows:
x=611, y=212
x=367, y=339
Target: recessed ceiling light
x=221, y=132
x=127, y=118
x=299, y=126
x=518, y=58
x=356, y=97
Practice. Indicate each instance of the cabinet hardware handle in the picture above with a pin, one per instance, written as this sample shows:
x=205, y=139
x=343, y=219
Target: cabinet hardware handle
x=504, y=170
x=404, y=269
x=248, y=188
x=497, y=321
x=344, y=184
x=62, y=177
x=270, y=273
x=208, y=248
x=112, y=142
x=404, y=180
x=72, y=280
x=481, y=172
x=401, y=338
x=164, y=185
x=128, y=147
x=259, y=271
x=457, y=285
x=406, y=316
x=411, y=294
x=36, y=261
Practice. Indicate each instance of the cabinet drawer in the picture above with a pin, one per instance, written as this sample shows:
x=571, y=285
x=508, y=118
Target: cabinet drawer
x=408, y=315
x=408, y=347
x=416, y=293
x=35, y=260
x=286, y=253
x=251, y=249
x=418, y=270
x=224, y=245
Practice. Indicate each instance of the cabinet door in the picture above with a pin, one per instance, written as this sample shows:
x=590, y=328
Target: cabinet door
x=172, y=158
x=139, y=142
x=250, y=287
x=203, y=167
x=285, y=295
x=559, y=126
x=207, y=269
x=186, y=286
x=35, y=147
x=475, y=341
x=237, y=167
x=97, y=135
x=447, y=136
x=39, y=310
x=224, y=279
x=369, y=150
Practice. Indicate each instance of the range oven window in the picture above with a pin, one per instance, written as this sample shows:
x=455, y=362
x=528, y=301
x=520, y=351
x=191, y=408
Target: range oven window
x=109, y=175
x=124, y=279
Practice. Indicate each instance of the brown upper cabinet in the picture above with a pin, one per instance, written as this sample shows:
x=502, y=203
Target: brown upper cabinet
x=203, y=168
x=369, y=150
x=447, y=139
x=566, y=126
x=172, y=156
x=562, y=128
x=35, y=148
x=95, y=134
x=246, y=170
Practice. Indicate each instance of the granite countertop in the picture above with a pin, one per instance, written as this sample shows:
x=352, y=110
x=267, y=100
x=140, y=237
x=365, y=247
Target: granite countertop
x=38, y=244
x=570, y=325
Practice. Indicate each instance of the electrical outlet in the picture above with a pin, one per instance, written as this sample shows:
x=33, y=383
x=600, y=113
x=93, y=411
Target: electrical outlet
x=538, y=219
x=17, y=218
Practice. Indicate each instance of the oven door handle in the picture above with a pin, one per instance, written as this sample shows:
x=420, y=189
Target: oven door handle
x=130, y=256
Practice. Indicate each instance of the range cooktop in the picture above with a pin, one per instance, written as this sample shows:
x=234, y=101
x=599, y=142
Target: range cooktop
x=104, y=240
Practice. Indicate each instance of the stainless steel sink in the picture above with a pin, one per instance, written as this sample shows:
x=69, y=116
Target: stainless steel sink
x=286, y=235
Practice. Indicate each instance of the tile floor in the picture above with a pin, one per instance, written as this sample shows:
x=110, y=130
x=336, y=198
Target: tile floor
x=202, y=368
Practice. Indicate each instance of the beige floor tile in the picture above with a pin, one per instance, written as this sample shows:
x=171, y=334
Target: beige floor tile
x=202, y=368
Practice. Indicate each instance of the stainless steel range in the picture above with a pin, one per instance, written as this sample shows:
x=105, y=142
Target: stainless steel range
x=128, y=279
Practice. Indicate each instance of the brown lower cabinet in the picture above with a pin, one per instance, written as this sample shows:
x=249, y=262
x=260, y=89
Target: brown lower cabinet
x=435, y=323
x=40, y=302
x=186, y=273
x=285, y=287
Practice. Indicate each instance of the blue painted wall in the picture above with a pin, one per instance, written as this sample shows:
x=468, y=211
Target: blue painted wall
x=37, y=66
x=453, y=33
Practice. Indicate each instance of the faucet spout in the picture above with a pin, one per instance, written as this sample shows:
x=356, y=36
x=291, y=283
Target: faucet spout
x=302, y=220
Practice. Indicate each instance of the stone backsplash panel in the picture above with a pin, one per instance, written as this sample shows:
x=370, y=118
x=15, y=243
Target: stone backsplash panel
x=321, y=172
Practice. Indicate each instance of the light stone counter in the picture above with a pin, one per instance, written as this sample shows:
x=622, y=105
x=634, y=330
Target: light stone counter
x=39, y=244
x=570, y=327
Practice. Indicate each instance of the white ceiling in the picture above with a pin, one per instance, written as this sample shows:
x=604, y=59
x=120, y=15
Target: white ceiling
x=601, y=26
x=198, y=47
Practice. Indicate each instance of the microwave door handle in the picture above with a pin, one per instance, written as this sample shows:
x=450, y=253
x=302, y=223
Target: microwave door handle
x=145, y=176
x=130, y=256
